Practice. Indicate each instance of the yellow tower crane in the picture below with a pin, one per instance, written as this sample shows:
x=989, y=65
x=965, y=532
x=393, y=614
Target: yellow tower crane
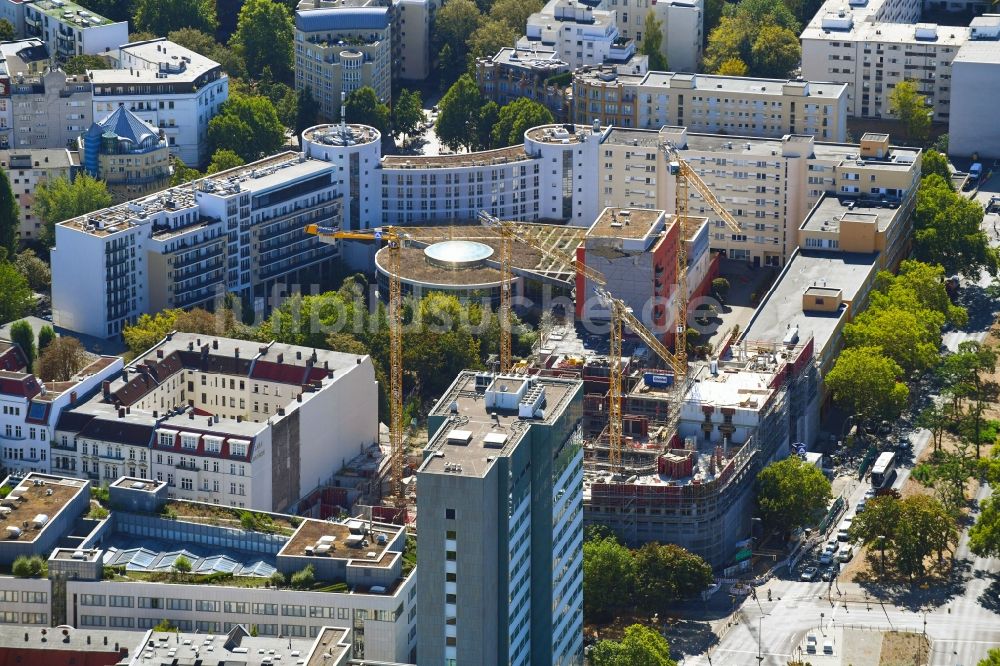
x=394, y=237
x=621, y=315
x=686, y=175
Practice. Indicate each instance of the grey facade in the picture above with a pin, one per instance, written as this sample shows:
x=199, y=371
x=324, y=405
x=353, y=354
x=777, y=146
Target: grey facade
x=975, y=74
x=500, y=523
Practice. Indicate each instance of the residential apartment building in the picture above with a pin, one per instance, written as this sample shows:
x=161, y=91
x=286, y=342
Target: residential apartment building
x=501, y=489
x=91, y=584
x=30, y=410
x=26, y=170
x=681, y=22
x=537, y=74
x=127, y=154
x=169, y=87
x=40, y=107
x=67, y=28
x=239, y=231
x=222, y=421
x=975, y=69
x=411, y=33
x=340, y=47
x=768, y=185
x=710, y=103
x=579, y=34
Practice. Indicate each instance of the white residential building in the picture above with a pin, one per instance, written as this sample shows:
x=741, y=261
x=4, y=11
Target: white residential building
x=169, y=87
x=579, y=34
x=226, y=421
x=974, y=81
x=238, y=231
x=67, y=28
x=681, y=21
x=411, y=33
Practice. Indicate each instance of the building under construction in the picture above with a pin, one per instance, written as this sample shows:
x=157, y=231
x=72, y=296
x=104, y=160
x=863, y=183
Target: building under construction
x=692, y=450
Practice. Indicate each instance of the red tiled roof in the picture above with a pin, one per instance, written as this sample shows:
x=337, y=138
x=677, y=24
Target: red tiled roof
x=279, y=372
x=200, y=450
x=12, y=358
x=23, y=385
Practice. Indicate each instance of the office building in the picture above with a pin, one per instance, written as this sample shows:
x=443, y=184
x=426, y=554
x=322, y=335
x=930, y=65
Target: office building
x=40, y=106
x=578, y=34
x=768, y=185
x=26, y=170
x=127, y=154
x=681, y=22
x=710, y=103
x=340, y=47
x=224, y=421
x=169, y=87
x=975, y=69
x=102, y=573
x=67, y=28
x=238, y=231
x=500, y=498
x=537, y=74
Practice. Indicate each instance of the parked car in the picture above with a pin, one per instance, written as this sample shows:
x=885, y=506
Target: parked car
x=846, y=553
x=829, y=552
x=808, y=574
x=870, y=493
x=861, y=506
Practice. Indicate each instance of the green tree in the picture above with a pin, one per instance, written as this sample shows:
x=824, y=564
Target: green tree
x=949, y=232
x=910, y=108
x=937, y=163
x=149, y=329
x=720, y=286
x=161, y=16
x=15, y=294
x=46, y=334
x=62, y=359
x=264, y=37
x=306, y=111
x=992, y=658
x=454, y=24
x=713, y=14
x=407, y=112
x=652, y=41
x=224, y=159
x=515, y=13
x=935, y=419
x=876, y=526
x=278, y=579
x=116, y=10
x=490, y=37
x=7, y=31
x=304, y=578
x=911, y=339
x=10, y=217
x=791, y=493
x=450, y=66
x=667, y=573
x=165, y=626
x=911, y=529
x=80, y=64
x=775, y=52
x=182, y=565
x=917, y=287
x=205, y=44
x=248, y=126
x=458, y=121
x=865, y=382
x=741, y=28
x=984, y=535
x=58, y=200
x=515, y=119
x=964, y=375
x=363, y=106
x=641, y=646
x=22, y=333
x=732, y=67
x=489, y=116
x=608, y=577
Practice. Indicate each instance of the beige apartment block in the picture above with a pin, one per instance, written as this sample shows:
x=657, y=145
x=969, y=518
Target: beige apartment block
x=769, y=185
x=26, y=170
x=711, y=103
x=681, y=21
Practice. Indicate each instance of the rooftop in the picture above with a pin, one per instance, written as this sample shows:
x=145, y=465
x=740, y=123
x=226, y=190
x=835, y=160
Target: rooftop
x=31, y=508
x=479, y=431
x=169, y=648
x=635, y=223
x=633, y=137
x=39, y=158
x=885, y=32
x=730, y=388
x=343, y=18
x=828, y=212
x=558, y=133
x=481, y=158
x=67, y=11
x=540, y=60
x=21, y=645
x=978, y=51
x=334, y=641
x=353, y=540
x=166, y=57
x=739, y=84
x=781, y=309
x=331, y=135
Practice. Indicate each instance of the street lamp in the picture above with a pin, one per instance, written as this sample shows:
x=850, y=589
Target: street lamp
x=821, y=616
x=760, y=636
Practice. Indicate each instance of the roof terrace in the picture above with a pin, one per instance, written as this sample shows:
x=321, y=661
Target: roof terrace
x=33, y=504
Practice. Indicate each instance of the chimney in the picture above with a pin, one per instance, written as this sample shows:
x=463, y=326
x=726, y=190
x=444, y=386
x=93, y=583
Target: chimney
x=121, y=412
x=326, y=365
x=281, y=358
x=314, y=356
x=215, y=344
x=298, y=398
x=210, y=421
x=128, y=410
x=191, y=415
x=72, y=397
x=156, y=414
x=125, y=375
x=237, y=352
x=239, y=418
x=298, y=355
x=159, y=353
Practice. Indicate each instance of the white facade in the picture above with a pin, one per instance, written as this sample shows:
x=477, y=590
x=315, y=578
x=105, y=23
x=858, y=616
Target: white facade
x=67, y=28
x=682, y=23
x=169, y=87
x=975, y=70
x=578, y=33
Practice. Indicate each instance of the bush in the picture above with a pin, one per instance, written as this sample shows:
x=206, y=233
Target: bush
x=5, y=490
x=304, y=579
x=98, y=512
x=165, y=625
x=182, y=565
x=29, y=567
x=277, y=579
x=101, y=494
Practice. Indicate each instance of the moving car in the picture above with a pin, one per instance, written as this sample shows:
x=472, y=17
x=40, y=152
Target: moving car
x=843, y=533
x=829, y=573
x=808, y=574
x=846, y=553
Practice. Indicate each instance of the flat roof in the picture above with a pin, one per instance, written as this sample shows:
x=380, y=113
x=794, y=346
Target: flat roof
x=567, y=133
x=978, y=51
x=58, y=9
x=63, y=639
x=883, y=32
x=488, y=437
x=170, y=648
x=782, y=307
x=741, y=84
x=313, y=533
x=828, y=212
x=633, y=137
x=42, y=500
x=137, y=484
x=334, y=641
x=39, y=158
x=480, y=158
x=633, y=223
x=539, y=59
x=162, y=50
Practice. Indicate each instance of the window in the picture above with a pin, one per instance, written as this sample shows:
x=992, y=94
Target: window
x=8, y=617
x=35, y=597
x=8, y=596
x=236, y=607
x=207, y=605
x=178, y=604
x=91, y=599
x=293, y=610
x=89, y=620
x=120, y=601
x=449, y=514
x=265, y=609
x=150, y=602
x=122, y=622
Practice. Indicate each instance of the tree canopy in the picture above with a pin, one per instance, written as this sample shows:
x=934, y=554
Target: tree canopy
x=407, y=112
x=248, y=126
x=224, y=159
x=59, y=199
x=641, y=646
x=759, y=33
x=865, y=382
x=491, y=36
x=15, y=294
x=515, y=13
x=10, y=216
x=79, y=64
x=363, y=106
x=665, y=573
x=458, y=121
x=149, y=329
x=516, y=118
x=7, y=31
x=934, y=162
x=948, y=230
x=910, y=530
x=652, y=42
x=22, y=333
x=992, y=658
x=608, y=577
x=61, y=359
x=911, y=339
x=264, y=37
x=791, y=493
x=161, y=16
x=910, y=108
